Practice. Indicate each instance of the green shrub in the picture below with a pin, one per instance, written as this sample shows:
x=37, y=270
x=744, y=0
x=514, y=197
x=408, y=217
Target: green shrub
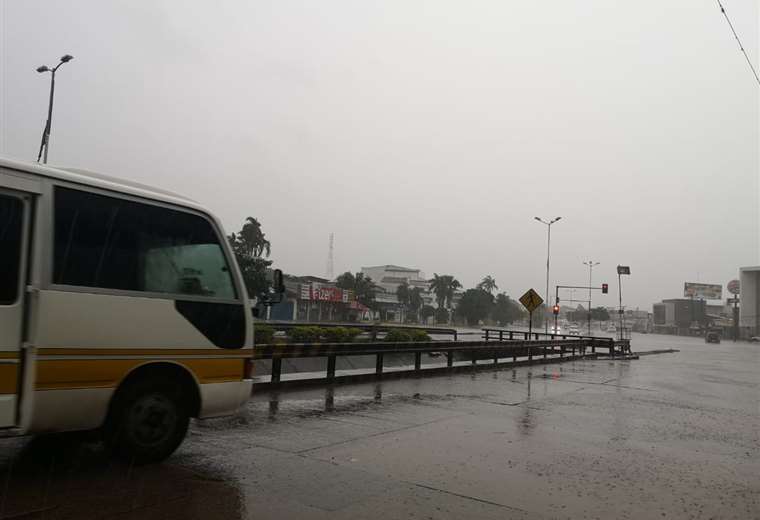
x=396, y=335
x=336, y=334
x=306, y=334
x=262, y=333
x=419, y=335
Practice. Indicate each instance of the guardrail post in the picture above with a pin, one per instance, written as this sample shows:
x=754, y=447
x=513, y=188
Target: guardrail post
x=474, y=358
x=496, y=357
x=486, y=335
x=456, y=336
x=545, y=351
x=330, y=367
x=530, y=353
x=379, y=364
x=417, y=360
x=501, y=335
x=593, y=346
x=561, y=351
x=449, y=359
x=511, y=335
x=276, y=369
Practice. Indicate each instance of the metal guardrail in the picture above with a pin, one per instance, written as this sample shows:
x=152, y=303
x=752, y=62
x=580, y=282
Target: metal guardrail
x=476, y=350
x=503, y=334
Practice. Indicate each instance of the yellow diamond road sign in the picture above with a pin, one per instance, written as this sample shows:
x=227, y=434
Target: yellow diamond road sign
x=531, y=300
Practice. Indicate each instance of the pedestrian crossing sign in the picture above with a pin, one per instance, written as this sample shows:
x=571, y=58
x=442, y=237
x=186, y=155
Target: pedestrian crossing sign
x=531, y=300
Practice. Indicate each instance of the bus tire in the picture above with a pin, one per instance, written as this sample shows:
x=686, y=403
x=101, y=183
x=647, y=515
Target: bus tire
x=147, y=422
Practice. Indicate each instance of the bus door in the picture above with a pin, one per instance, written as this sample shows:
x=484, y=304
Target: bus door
x=14, y=226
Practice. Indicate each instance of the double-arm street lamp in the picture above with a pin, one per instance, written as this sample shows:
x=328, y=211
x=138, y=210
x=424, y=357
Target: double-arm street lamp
x=590, y=265
x=548, y=251
x=45, y=144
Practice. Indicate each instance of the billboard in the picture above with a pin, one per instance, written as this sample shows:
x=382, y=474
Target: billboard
x=703, y=291
x=325, y=293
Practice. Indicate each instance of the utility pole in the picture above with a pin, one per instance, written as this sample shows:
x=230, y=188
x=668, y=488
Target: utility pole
x=621, y=270
x=548, y=253
x=45, y=143
x=590, y=265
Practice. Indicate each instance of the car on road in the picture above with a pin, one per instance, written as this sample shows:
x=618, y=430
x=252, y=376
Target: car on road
x=712, y=336
x=573, y=331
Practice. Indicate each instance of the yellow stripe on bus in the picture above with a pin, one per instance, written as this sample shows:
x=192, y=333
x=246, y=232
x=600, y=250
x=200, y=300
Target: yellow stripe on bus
x=107, y=373
x=8, y=379
x=163, y=352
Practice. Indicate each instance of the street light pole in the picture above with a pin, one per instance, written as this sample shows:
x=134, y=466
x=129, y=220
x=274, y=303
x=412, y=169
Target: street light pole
x=590, y=265
x=548, y=252
x=45, y=144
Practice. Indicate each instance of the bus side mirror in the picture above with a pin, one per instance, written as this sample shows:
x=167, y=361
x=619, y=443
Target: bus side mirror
x=278, y=285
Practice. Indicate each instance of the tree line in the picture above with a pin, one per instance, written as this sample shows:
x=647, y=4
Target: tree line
x=479, y=304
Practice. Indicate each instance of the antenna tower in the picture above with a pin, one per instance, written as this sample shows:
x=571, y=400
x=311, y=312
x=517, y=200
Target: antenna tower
x=330, y=259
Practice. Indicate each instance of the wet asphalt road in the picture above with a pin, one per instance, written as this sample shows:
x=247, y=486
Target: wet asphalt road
x=667, y=436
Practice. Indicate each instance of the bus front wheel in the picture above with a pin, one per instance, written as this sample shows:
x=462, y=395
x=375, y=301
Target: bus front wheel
x=147, y=422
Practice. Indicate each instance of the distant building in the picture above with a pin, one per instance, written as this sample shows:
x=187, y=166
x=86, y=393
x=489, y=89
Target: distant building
x=389, y=277
x=749, y=300
x=311, y=298
x=679, y=315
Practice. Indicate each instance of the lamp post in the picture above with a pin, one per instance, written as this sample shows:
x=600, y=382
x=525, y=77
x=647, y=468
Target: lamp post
x=548, y=251
x=590, y=265
x=46, y=132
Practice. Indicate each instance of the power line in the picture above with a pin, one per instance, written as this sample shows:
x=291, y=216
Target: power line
x=749, y=62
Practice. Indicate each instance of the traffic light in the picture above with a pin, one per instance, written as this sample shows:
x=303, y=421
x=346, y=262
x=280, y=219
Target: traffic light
x=555, y=309
x=604, y=288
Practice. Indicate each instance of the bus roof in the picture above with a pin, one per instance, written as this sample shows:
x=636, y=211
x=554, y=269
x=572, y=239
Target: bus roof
x=98, y=180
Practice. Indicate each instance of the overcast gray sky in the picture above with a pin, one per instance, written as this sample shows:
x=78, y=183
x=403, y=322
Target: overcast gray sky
x=422, y=133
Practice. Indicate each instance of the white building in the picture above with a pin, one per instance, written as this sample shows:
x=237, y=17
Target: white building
x=389, y=277
x=749, y=299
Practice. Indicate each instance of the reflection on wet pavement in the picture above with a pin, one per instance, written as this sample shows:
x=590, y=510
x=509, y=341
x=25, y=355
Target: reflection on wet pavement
x=672, y=435
x=70, y=477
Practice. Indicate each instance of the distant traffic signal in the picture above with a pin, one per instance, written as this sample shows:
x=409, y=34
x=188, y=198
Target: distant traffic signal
x=555, y=309
x=604, y=288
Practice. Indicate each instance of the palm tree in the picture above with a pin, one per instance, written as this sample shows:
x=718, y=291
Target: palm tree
x=488, y=284
x=249, y=245
x=453, y=286
x=416, y=301
x=438, y=286
x=251, y=241
x=444, y=287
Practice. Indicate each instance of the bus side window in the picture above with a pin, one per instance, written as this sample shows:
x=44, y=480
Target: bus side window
x=10, y=248
x=113, y=243
x=190, y=269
